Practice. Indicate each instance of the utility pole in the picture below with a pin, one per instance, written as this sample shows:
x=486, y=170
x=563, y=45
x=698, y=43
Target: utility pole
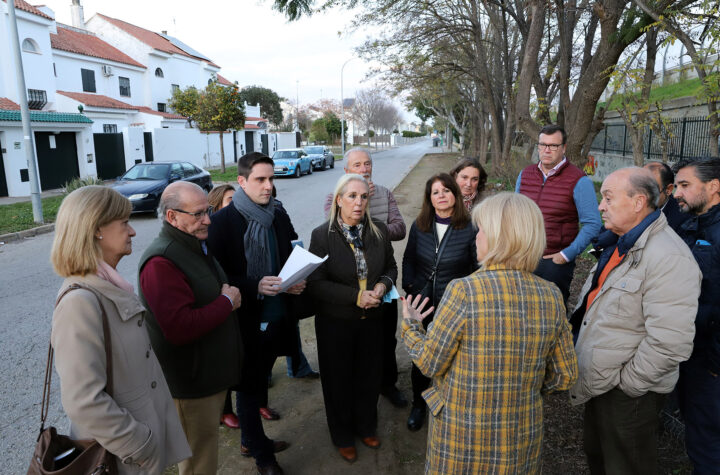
x=25, y=115
x=297, y=104
x=342, y=107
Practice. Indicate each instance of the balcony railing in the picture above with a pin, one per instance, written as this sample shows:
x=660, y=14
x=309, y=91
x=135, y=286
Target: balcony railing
x=36, y=99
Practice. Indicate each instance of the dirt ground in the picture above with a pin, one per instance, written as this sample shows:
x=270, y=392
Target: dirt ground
x=303, y=422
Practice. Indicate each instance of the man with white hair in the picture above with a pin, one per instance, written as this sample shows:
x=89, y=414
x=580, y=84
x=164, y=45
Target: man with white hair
x=636, y=324
x=384, y=208
x=191, y=321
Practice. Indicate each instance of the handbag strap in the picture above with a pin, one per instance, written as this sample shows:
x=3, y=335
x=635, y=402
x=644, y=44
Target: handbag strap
x=45, y=403
x=440, y=249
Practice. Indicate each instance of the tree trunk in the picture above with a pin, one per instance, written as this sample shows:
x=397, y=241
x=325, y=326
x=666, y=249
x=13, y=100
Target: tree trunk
x=222, y=152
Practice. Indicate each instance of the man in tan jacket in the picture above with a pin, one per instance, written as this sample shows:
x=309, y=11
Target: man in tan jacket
x=636, y=324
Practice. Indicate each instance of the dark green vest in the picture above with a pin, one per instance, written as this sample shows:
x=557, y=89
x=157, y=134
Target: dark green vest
x=211, y=363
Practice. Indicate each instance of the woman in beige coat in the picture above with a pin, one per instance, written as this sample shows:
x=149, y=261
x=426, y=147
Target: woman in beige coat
x=138, y=422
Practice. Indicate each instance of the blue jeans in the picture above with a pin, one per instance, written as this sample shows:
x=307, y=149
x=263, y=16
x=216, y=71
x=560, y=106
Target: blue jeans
x=303, y=367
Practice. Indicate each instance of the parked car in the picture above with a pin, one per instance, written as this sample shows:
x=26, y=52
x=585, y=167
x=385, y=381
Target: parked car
x=321, y=156
x=292, y=162
x=144, y=183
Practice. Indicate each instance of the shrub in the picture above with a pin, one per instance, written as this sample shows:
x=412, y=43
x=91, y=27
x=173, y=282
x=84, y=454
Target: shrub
x=410, y=133
x=78, y=182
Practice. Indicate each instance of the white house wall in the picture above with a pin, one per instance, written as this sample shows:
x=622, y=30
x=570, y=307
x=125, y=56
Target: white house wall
x=193, y=146
x=69, y=77
x=37, y=66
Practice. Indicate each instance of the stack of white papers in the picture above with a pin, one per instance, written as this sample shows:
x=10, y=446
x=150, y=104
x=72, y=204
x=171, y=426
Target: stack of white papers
x=299, y=265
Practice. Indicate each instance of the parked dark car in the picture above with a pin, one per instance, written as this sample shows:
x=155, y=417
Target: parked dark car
x=321, y=156
x=144, y=183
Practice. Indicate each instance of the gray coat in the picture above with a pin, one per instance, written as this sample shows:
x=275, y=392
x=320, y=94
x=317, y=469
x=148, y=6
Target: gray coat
x=138, y=423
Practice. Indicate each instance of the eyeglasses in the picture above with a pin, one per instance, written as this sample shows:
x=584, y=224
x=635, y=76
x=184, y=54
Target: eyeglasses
x=198, y=215
x=552, y=146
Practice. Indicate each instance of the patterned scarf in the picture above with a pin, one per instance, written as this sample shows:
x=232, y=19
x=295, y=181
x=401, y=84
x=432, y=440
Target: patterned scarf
x=469, y=200
x=352, y=235
x=257, y=236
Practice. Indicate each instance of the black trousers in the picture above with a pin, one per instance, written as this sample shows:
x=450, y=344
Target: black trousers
x=350, y=372
x=621, y=433
x=252, y=393
x=389, y=343
x=419, y=381
x=559, y=274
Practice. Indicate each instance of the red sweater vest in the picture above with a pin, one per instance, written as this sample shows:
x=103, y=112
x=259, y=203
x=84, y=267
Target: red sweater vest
x=555, y=199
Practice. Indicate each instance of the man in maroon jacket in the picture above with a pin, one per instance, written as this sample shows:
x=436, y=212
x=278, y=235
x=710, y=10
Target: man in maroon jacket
x=567, y=199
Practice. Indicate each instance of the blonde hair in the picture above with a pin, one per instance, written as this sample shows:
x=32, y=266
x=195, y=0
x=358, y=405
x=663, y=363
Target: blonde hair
x=75, y=250
x=514, y=228
x=340, y=188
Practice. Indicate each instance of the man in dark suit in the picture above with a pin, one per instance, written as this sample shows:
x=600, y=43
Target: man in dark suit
x=665, y=179
x=251, y=239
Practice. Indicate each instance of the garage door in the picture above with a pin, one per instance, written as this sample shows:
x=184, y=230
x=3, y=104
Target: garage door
x=57, y=158
x=110, y=155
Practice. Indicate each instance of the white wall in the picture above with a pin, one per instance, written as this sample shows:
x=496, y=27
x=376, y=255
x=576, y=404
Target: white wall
x=193, y=146
x=69, y=78
x=38, y=66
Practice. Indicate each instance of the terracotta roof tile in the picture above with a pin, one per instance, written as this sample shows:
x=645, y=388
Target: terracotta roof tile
x=259, y=119
x=150, y=38
x=8, y=105
x=88, y=45
x=251, y=127
x=98, y=100
x=167, y=115
x=26, y=7
x=224, y=81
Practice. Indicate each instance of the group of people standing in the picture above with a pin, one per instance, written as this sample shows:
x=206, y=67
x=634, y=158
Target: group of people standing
x=486, y=282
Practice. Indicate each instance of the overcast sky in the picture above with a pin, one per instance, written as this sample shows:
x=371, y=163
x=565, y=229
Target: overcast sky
x=253, y=43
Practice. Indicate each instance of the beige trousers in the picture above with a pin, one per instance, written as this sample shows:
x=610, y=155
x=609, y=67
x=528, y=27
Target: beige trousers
x=200, y=420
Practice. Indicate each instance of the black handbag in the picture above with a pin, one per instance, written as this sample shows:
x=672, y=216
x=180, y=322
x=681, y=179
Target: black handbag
x=60, y=454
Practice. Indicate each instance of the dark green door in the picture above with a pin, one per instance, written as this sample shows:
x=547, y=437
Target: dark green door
x=3, y=180
x=265, y=148
x=147, y=137
x=109, y=155
x=57, y=158
x=249, y=142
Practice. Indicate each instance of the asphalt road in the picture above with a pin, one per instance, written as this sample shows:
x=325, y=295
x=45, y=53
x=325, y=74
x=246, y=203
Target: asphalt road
x=28, y=287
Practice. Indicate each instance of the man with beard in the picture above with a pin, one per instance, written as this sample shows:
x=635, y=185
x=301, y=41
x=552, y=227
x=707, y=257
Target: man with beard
x=697, y=191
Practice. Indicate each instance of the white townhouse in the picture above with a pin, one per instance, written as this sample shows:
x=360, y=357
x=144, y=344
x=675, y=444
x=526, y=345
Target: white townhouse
x=63, y=140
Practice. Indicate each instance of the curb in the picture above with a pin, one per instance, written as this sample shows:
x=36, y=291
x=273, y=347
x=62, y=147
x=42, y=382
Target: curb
x=26, y=233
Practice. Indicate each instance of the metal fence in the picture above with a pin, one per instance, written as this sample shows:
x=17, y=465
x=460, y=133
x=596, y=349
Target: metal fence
x=687, y=137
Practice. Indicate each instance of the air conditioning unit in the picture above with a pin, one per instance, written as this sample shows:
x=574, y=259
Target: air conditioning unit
x=107, y=70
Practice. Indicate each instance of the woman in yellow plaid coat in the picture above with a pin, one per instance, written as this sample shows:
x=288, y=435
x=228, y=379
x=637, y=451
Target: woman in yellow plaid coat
x=499, y=340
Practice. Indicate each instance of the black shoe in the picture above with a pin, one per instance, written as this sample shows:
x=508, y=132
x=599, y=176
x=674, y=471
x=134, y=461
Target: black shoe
x=272, y=469
x=395, y=397
x=417, y=416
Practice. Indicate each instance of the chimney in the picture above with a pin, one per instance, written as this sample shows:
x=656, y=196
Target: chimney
x=78, y=17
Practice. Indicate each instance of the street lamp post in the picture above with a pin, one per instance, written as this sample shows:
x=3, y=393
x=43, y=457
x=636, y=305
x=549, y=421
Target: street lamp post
x=342, y=107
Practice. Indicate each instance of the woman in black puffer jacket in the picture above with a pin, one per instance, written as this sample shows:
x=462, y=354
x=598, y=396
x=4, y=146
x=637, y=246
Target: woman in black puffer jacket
x=440, y=248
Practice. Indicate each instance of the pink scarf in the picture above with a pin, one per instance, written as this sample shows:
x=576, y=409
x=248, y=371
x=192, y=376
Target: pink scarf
x=106, y=272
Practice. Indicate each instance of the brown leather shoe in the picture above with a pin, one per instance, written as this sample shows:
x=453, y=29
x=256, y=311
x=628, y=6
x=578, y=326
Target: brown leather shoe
x=278, y=446
x=230, y=421
x=349, y=454
x=269, y=414
x=372, y=442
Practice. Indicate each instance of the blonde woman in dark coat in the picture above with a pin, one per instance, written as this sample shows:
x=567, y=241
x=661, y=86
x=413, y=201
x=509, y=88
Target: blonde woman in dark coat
x=138, y=422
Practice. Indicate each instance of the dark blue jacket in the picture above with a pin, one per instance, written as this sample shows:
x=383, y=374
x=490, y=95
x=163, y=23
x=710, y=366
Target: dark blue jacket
x=458, y=259
x=675, y=217
x=702, y=235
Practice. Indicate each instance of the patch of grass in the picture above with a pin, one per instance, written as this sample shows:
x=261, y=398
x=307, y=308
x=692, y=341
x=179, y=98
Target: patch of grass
x=19, y=216
x=688, y=88
x=230, y=174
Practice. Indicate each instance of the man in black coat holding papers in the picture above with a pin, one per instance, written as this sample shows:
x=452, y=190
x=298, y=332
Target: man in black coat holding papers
x=251, y=239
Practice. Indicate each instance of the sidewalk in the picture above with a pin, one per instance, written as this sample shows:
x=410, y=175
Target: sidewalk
x=300, y=402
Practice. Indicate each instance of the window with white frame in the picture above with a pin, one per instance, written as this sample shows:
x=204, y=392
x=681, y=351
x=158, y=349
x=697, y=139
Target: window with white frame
x=110, y=128
x=161, y=107
x=159, y=73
